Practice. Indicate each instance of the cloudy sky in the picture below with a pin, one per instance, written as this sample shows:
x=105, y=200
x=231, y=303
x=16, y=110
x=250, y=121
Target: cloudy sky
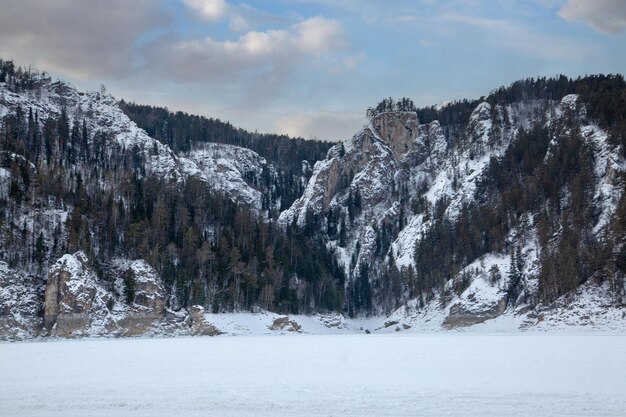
x=309, y=67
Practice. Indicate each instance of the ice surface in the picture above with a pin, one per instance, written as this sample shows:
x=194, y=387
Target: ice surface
x=449, y=374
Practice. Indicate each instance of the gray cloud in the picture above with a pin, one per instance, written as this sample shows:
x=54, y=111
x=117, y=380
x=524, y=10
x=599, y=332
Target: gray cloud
x=252, y=55
x=77, y=37
x=244, y=18
x=334, y=126
x=608, y=16
x=522, y=38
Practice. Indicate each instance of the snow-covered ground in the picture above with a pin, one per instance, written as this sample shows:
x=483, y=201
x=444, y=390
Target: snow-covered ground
x=442, y=374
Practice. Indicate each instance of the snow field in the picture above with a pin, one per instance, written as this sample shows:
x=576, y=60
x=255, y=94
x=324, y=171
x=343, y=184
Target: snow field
x=443, y=374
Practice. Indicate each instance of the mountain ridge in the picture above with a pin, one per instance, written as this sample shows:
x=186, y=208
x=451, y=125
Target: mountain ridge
x=464, y=219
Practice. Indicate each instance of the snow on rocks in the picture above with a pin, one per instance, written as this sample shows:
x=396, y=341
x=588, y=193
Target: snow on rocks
x=284, y=323
x=480, y=122
x=221, y=166
x=608, y=167
x=79, y=303
x=199, y=324
x=76, y=303
x=225, y=167
x=398, y=129
x=21, y=297
x=484, y=298
x=367, y=165
x=142, y=307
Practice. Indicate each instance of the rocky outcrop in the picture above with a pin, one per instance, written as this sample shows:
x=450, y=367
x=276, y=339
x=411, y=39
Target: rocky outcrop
x=285, y=324
x=400, y=130
x=359, y=185
x=480, y=292
x=462, y=316
x=229, y=168
x=21, y=299
x=142, y=297
x=367, y=164
x=199, y=325
x=76, y=303
x=430, y=147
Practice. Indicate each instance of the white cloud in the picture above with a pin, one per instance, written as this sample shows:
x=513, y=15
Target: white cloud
x=317, y=35
x=241, y=17
x=608, y=16
x=210, y=10
x=254, y=52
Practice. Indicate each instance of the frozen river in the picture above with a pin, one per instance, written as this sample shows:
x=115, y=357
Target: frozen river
x=442, y=374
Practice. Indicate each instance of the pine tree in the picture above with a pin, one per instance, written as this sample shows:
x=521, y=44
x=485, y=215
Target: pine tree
x=130, y=286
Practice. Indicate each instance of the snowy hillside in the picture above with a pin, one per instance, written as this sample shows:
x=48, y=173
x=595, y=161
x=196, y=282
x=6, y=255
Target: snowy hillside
x=507, y=212
x=384, y=197
x=101, y=114
x=226, y=167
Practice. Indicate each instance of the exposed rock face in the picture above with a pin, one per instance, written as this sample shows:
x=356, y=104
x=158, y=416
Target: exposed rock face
x=199, y=325
x=78, y=303
x=21, y=299
x=283, y=323
x=462, y=316
x=358, y=181
x=399, y=130
x=367, y=164
x=367, y=167
x=430, y=147
x=372, y=199
x=149, y=294
x=75, y=301
x=149, y=297
x=225, y=167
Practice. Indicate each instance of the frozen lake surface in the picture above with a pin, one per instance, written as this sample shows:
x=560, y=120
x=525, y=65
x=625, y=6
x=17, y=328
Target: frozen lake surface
x=442, y=374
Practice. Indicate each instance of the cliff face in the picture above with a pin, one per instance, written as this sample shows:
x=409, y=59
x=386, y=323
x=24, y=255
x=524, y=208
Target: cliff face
x=78, y=303
x=400, y=130
x=21, y=302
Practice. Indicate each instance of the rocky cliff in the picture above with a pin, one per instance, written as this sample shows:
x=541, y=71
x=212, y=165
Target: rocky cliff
x=382, y=197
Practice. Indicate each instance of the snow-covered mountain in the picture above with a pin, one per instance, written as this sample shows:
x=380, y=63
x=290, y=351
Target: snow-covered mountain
x=65, y=296
x=505, y=212
x=223, y=167
x=227, y=168
x=385, y=193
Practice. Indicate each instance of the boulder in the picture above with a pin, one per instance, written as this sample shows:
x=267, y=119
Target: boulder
x=284, y=324
x=462, y=316
x=199, y=325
